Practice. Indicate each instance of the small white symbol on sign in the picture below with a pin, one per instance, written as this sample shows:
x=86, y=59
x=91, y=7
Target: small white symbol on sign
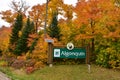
x=70, y=46
x=56, y=52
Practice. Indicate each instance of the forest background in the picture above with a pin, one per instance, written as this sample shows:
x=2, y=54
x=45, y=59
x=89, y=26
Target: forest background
x=94, y=22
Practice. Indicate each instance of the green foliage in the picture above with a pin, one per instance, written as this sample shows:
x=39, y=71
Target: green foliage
x=3, y=63
x=54, y=30
x=33, y=45
x=22, y=44
x=109, y=53
x=15, y=32
x=32, y=30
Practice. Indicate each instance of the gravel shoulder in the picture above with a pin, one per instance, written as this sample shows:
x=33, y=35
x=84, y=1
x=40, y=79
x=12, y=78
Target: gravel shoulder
x=3, y=76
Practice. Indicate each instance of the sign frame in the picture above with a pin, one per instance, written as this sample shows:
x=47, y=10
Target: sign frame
x=51, y=48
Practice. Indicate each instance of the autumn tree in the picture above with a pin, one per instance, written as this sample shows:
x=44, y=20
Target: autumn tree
x=17, y=7
x=117, y=2
x=68, y=28
x=15, y=32
x=8, y=16
x=20, y=6
x=4, y=39
x=54, y=6
x=37, y=15
x=68, y=9
x=88, y=14
x=95, y=22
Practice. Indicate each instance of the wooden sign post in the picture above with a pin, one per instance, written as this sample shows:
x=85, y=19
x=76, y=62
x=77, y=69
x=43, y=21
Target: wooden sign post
x=50, y=57
x=50, y=51
x=88, y=58
x=88, y=54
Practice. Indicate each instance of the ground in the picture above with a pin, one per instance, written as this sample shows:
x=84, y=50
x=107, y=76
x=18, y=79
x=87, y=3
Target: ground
x=3, y=76
x=65, y=72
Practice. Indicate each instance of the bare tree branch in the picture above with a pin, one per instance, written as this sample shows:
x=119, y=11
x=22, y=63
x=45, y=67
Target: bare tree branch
x=20, y=6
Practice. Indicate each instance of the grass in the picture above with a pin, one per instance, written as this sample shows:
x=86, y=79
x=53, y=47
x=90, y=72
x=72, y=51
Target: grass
x=65, y=72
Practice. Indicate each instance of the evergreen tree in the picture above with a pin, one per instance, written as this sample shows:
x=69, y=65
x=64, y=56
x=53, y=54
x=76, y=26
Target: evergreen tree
x=32, y=28
x=15, y=32
x=54, y=30
x=33, y=45
x=22, y=44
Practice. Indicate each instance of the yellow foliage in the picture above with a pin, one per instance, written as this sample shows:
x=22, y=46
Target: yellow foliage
x=4, y=38
x=23, y=57
x=39, y=65
x=40, y=51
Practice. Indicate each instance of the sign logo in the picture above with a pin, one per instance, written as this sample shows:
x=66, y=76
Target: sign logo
x=56, y=52
x=70, y=46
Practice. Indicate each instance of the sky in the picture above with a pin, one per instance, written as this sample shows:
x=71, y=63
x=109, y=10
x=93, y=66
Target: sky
x=5, y=5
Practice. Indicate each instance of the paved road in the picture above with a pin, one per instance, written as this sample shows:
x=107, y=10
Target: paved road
x=3, y=77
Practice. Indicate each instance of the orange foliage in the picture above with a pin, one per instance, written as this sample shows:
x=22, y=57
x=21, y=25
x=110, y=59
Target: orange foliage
x=31, y=39
x=8, y=16
x=97, y=16
x=37, y=14
x=4, y=38
x=87, y=10
x=40, y=51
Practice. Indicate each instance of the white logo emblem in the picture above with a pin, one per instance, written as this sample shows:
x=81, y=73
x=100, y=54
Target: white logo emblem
x=70, y=46
x=56, y=52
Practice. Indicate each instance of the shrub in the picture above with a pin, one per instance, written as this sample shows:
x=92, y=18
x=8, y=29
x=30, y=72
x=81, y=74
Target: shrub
x=30, y=63
x=109, y=54
x=39, y=65
x=9, y=60
x=29, y=70
x=3, y=63
x=18, y=64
